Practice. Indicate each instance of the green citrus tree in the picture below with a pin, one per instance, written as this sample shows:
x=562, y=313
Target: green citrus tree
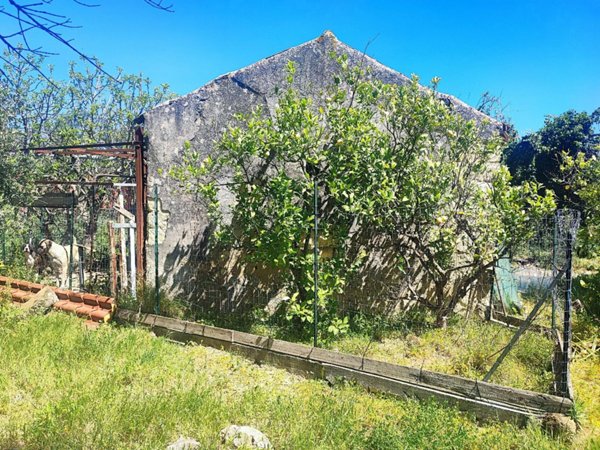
x=396, y=169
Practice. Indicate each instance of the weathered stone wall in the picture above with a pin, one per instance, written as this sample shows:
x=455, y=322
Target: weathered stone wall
x=200, y=118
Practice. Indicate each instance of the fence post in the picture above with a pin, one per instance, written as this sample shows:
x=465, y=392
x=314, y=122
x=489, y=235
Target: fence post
x=156, y=277
x=316, y=265
x=3, y=243
x=554, y=270
x=566, y=352
x=72, y=232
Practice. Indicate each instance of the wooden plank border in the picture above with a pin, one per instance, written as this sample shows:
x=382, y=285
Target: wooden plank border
x=516, y=322
x=484, y=400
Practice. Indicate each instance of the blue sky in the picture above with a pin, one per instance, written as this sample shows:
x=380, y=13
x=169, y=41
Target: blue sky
x=541, y=57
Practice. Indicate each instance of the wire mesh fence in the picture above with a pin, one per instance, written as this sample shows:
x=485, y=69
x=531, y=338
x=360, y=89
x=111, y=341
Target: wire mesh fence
x=70, y=239
x=381, y=317
x=533, y=287
x=388, y=318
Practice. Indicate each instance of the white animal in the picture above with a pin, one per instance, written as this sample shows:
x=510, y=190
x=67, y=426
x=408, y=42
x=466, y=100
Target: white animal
x=55, y=257
x=49, y=258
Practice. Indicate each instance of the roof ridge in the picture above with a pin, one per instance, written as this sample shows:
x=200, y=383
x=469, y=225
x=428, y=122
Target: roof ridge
x=326, y=36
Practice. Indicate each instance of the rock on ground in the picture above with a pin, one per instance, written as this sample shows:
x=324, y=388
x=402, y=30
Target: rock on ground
x=559, y=425
x=41, y=302
x=184, y=444
x=244, y=436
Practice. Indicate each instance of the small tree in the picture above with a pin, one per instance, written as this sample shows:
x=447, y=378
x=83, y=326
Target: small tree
x=540, y=155
x=87, y=107
x=395, y=168
x=582, y=175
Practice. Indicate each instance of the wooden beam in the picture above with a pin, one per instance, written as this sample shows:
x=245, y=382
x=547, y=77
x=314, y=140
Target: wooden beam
x=485, y=400
x=121, y=210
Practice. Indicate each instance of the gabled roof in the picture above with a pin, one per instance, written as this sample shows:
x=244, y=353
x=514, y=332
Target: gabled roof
x=314, y=67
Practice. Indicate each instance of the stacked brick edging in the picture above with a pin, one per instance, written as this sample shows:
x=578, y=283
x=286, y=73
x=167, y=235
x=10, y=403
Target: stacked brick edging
x=97, y=308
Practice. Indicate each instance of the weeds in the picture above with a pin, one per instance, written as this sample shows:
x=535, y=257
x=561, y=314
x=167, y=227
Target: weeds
x=466, y=347
x=63, y=386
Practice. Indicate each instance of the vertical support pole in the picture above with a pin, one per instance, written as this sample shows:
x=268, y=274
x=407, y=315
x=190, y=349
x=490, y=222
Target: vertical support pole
x=132, y=254
x=140, y=201
x=566, y=353
x=113, y=259
x=92, y=228
x=123, y=243
x=3, y=231
x=72, y=232
x=555, y=270
x=156, y=277
x=3, y=244
x=316, y=265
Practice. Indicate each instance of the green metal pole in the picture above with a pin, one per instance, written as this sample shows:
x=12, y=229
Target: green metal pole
x=156, y=277
x=72, y=227
x=3, y=244
x=316, y=265
x=554, y=269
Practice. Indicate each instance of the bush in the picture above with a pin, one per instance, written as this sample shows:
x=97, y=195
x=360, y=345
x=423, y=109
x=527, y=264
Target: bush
x=586, y=289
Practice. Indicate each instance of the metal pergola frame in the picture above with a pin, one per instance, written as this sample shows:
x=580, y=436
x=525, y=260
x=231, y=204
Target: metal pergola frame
x=132, y=151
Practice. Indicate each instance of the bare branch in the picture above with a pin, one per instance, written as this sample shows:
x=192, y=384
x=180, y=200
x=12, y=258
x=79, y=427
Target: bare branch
x=159, y=5
x=29, y=17
x=87, y=5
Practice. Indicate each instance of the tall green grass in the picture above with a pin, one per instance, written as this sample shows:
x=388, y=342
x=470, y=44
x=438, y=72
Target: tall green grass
x=65, y=387
x=466, y=347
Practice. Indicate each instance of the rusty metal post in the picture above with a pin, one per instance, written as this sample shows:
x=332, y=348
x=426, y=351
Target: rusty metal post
x=140, y=201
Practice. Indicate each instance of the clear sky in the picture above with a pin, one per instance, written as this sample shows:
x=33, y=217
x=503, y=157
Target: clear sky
x=541, y=56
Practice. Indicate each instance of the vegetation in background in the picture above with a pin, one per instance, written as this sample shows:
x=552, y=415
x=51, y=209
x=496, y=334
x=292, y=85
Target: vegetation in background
x=63, y=386
x=493, y=106
x=88, y=107
x=582, y=174
x=396, y=169
x=540, y=155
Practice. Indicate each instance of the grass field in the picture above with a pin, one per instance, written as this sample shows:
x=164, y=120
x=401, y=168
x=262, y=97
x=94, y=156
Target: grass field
x=63, y=386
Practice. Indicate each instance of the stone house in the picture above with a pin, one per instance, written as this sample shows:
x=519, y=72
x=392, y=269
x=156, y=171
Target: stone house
x=187, y=268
